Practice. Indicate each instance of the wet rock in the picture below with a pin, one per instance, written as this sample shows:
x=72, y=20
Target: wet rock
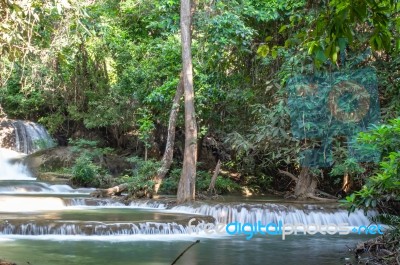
x=54, y=177
x=50, y=160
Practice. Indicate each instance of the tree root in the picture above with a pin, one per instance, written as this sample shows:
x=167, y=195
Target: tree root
x=288, y=174
x=321, y=199
x=382, y=250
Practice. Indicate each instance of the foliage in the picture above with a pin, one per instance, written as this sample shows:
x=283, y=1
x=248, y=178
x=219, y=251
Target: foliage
x=142, y=173
x=349, y=166
x=259, y=183
x=109, y=69
x=223, y=185
x=337, y=24
x=88, y=146
x=171, y=182
x=85, y=171
x=382, y=190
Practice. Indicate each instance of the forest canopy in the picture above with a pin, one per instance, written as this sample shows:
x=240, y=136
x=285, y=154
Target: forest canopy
x=109, y=70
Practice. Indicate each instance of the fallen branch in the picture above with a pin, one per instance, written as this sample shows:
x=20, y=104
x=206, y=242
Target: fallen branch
x=197, y=241
x=320, y=199
x=114, y=191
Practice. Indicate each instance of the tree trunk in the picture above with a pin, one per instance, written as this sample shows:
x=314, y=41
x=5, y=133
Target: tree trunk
x=186, y=188
x=2, y=113
x=211, y=188
x=346, y=187
x=305, y=185
x=166, y=161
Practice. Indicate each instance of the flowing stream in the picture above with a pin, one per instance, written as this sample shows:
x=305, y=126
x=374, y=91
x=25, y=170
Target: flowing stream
x=47, y=224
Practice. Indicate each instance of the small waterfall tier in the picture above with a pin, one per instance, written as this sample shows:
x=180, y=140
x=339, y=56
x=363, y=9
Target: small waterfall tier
x=76, y=216
x=268, y=212
x=12, y=166
x=89, y=228
x=23, y=136
x=247, y=213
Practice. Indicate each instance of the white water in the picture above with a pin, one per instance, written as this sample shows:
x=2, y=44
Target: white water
x=31, y=210
x=29, y=136
x=267, y=213
x=248, y=213
x=11, y=168
x=11, y=204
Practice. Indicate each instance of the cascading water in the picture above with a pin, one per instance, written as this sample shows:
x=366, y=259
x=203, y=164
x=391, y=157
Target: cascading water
x=11, y=166
x=31, y=210
x=23, y=136
x=273, y=213
x=175, y=219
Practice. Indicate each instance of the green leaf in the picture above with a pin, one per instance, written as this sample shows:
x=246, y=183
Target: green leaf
x=312, y=46
x=274, y=52
x=268, y=39
x=263, y=50
x=334, y=56
x=282, y=28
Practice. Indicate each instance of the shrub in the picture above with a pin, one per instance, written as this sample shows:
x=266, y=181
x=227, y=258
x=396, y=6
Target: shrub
x=85, y=171
x=142, y=173
x=203, y=179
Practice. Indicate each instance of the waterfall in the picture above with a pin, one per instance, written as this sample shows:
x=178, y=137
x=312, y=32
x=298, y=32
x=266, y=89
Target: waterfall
x=18, y=138
x=90, y=228
x=23, y=136
x=267, y=213
x=12, y=167
x=12, y=204
x=248, y=213
x=242, y=213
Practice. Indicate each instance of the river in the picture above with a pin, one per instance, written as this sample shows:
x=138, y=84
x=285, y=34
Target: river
x=51, y=224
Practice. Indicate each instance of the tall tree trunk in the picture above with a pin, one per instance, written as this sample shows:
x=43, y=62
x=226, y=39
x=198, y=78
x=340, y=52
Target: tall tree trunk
x=186, y=188
x=166, y=161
